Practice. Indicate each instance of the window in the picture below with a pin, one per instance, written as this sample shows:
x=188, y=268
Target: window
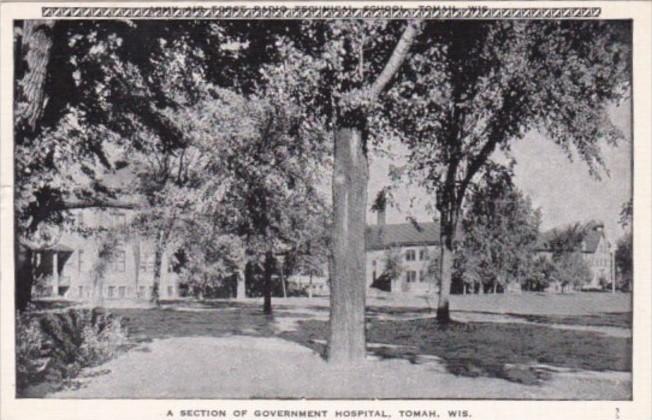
x=170, y=291
x=143, y=260
x=111, y=291
x=119, y=261
x=423, y=255
x=121, y=291
x=373, y=263
x=141, y=291
x=411, y=276
x=422, y=276
x=81, y=291
x=410, y=255
x=80, y=256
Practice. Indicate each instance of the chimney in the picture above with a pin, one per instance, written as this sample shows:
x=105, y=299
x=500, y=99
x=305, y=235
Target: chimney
x=380, y=217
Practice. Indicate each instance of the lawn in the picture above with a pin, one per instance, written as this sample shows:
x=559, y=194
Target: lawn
x=513, y=351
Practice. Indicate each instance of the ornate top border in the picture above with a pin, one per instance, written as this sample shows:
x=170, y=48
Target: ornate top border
x=322, y=12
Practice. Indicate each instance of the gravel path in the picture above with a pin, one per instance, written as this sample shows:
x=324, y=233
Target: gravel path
x=255, y=367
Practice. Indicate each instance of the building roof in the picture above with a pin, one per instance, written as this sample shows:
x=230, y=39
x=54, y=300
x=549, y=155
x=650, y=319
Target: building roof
x=402, y=234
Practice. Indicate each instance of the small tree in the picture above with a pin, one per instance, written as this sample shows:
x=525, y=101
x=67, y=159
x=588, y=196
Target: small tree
x=500, y=230
x=393, y=265
x=571, y=270
x=624, y=249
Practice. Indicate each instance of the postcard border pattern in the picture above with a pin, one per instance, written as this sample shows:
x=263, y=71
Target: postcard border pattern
x=321, y=12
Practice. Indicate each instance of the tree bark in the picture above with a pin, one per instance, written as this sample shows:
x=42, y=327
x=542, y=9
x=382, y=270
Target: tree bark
x=24, y=273
x=267, y=282
x=346, y=342
x=347, y=303
x=443, y=304
x=36, y=45
x=158, y=262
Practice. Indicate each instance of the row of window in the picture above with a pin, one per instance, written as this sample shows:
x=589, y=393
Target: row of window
x=118, y=263
x=411, y=276
x=601, y=262
x=124, y=291
x=411, y=255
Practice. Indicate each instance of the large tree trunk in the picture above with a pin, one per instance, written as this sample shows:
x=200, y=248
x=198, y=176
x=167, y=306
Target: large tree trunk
x=267, y=282
x=347, y=304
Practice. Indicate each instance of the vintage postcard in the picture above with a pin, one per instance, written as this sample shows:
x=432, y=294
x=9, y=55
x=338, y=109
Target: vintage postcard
x=298, y=210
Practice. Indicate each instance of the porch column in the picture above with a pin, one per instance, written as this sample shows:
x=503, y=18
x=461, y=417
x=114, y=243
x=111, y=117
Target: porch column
x=241, y=292
x=612, y=264
x=55, y=273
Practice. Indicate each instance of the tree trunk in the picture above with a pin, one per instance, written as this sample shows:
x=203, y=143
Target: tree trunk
x=495, y=286
x=346, y=342
x=36, y=45
x=267, y=282
x=443, y=310
x=136, y=250
x=310, y=287
x=24, y=276
x=158, y=262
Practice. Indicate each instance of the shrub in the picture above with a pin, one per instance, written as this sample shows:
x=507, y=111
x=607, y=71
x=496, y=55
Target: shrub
x=56, y=346
x=30, y=363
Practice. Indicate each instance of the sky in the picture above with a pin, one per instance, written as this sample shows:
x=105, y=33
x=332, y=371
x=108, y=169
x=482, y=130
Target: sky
x=563, y=190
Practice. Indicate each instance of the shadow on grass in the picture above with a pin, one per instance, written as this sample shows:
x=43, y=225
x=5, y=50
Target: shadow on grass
x=512, y=351
x=515, y=352
x=609, y=319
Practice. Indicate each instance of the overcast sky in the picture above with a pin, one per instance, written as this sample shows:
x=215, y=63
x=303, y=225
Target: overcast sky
x=564, y=190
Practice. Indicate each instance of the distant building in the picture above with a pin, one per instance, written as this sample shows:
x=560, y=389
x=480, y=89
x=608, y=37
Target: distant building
x=70, y=267
x=417, y=245
x=595, y=249
x=316, y=285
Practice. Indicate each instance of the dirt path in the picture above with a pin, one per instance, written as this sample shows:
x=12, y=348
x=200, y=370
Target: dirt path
x=255, y=367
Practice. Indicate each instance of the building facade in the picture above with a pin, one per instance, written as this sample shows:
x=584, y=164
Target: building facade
x=415, y=246
x=79, y=267
x=596, y=251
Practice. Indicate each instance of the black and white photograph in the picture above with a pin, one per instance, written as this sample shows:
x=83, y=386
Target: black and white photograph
x=322, y=204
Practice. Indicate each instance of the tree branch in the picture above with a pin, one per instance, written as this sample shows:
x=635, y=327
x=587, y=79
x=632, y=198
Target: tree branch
x=396, y=59
x=93, y=203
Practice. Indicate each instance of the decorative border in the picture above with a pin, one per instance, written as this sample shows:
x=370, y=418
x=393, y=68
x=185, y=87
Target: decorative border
x=322, y=12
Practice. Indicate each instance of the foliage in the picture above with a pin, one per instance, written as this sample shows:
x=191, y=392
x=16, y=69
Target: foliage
x=471, y=88
x=571, y=269
x=393, y=264
x=543, y=272
x=30, y=365
x=624, y=262
x=627, y=214
x=54, y=347
x=500, y=230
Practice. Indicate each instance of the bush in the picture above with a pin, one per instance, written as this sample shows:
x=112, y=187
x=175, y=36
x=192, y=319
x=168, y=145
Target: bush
x=30, y=363
x=56, y=346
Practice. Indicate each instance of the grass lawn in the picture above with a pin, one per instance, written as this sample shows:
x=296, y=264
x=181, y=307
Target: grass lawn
x=501, y=350
x=504, y=350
